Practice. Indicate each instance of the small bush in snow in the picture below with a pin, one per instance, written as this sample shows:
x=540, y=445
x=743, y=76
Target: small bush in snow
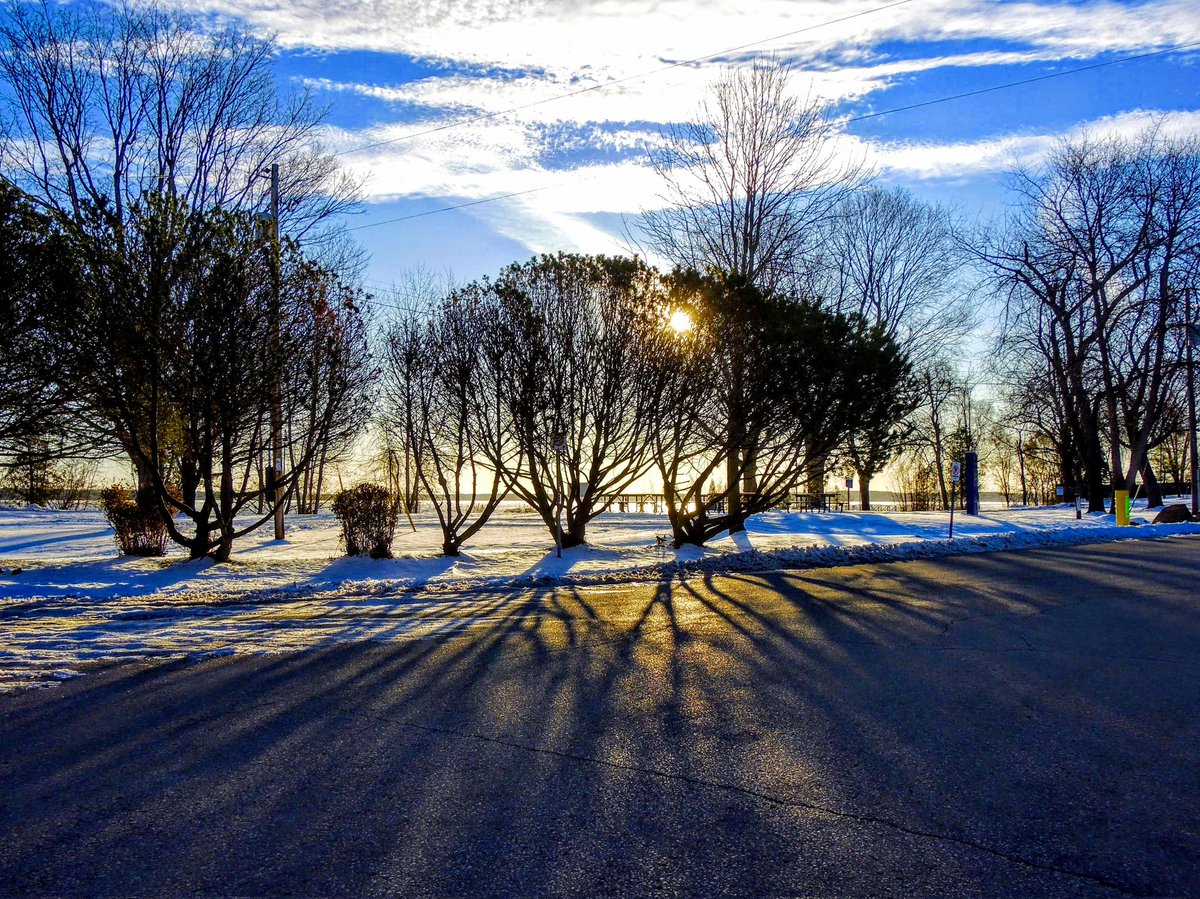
x=368, y=515
x=138, y=527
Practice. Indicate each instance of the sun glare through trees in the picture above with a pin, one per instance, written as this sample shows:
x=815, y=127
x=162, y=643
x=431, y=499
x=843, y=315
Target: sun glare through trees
x=680, y=321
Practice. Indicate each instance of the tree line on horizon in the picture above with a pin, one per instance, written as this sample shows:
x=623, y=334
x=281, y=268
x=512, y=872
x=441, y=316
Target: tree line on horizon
x=811, y=323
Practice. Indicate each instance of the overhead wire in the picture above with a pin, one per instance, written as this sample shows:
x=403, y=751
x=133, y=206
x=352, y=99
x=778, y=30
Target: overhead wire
x=864, y=117
x=417, y=215
x=1023, y=81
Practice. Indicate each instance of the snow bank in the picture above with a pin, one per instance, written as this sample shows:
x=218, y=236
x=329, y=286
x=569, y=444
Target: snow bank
x=67, y=599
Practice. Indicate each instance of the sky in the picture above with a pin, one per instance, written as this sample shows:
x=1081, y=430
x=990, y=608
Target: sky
x=535, y=117
x=423, y=100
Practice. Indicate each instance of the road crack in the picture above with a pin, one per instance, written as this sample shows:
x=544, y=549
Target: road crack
x=781, y=801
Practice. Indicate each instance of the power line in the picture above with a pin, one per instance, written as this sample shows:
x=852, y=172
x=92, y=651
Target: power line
x=997, y=87
x=873, y=115
x=417, y=215
x=484, y=116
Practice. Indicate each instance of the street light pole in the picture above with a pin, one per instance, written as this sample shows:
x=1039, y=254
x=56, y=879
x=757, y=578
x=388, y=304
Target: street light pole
x=276, y=401
x=1192, y=338
x=558, y=446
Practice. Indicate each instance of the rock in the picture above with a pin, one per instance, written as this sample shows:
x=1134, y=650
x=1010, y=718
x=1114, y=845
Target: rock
x=1176, y=513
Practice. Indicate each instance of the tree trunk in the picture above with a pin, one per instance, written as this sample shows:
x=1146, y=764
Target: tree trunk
x=864, y=492
x=320, y=483
x=225, y=518
x=750, y=473
x=814, y=473
x=939, y=463
x=733, y=448
x=145, y=474
x=941, y=477
x=224, y=546
x=574, y=525
x=573, y=538
x=1095, y=477
x=733, y=504
x=1154, y=497
x=189, y=480
x=198, y=548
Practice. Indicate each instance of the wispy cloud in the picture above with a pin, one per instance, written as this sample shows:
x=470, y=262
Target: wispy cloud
x=589, y=151
x=963, y=159
x=663, y=96
x=579, y=36
x=490, y=162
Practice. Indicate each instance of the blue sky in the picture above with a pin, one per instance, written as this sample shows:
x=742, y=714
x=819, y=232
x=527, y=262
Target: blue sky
x=389, y=69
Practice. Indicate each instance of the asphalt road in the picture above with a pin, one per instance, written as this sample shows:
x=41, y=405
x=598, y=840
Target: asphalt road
x=1004, y=724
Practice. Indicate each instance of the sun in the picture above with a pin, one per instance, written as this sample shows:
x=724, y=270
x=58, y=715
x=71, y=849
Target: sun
x=680, y=321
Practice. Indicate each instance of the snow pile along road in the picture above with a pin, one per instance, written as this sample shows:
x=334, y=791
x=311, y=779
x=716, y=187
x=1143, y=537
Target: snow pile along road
x=67, y=599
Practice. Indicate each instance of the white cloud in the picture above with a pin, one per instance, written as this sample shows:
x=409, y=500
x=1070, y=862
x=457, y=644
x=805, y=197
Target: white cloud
x=922, y=160
x=503, y=54
x=624, y=36
x=482, y=162
x=665, y=96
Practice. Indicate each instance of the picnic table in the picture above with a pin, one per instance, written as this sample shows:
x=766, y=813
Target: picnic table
x=831, y=501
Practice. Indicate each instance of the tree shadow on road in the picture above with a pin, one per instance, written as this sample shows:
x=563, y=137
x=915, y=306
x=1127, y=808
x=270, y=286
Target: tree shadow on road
x=735, y=734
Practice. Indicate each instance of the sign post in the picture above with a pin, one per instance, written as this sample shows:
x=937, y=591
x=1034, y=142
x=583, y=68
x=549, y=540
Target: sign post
x=955, y=471
x=849, y=486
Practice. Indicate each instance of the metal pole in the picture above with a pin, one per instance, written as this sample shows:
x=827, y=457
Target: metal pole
x=1192, y=337
x=558, y=511
x=953, y=485
x=276, y=401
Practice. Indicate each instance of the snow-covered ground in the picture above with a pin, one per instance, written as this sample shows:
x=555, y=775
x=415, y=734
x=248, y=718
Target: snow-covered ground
x=67, y=598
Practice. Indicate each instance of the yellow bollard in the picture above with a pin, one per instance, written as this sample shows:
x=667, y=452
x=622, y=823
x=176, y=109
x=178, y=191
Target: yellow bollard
x=1121, y=501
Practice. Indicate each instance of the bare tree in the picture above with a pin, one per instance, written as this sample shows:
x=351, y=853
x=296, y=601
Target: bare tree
x=750, y=182
x=935, y=421
x=442, y=409
x=112, y=108
x=1003, y=439
x=562, y=338
x=898, y=262
x=749, y=186
x=1097, y=262
x=107, y=103
x=895, y=261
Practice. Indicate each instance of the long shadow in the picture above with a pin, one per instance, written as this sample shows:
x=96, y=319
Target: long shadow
x=749, y=735
x=6, y=548
x=119, y=576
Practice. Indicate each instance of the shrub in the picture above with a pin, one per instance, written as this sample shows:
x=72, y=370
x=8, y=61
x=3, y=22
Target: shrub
x=368, y=515
x=137, y=525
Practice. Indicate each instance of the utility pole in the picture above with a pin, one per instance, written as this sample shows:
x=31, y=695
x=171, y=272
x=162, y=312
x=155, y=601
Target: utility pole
x=559, y=446
x=1193, y=338
x=276, y=401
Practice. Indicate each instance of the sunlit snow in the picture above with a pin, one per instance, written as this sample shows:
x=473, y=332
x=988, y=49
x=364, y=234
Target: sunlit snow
x=67, y=598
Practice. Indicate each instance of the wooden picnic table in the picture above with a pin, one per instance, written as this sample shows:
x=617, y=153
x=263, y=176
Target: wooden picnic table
x=830, y=501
